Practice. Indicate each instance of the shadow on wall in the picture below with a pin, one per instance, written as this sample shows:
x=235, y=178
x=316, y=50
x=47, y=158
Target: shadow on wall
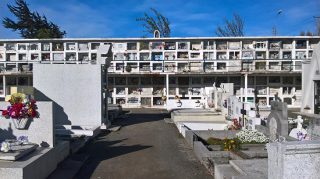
x=7, y=134
x=59, y=116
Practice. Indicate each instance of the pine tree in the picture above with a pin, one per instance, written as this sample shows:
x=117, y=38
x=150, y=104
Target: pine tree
x=30, y=24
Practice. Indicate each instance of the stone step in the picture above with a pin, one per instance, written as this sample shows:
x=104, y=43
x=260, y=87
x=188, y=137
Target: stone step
x=168, y=120
x=78, y=143
x=254, y=168
x=70, y=167
x=114, y=128
x=250, y=154
x=225, y=171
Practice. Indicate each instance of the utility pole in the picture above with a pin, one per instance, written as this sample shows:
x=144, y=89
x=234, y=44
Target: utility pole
x=274, y=31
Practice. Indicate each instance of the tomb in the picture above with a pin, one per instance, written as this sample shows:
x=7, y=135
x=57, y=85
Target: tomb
x=38, y=152
x=76, y=113
x=299, y=159
x=67, y=85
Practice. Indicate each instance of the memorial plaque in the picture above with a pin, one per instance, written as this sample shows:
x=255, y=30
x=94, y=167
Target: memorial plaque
x=18, y=151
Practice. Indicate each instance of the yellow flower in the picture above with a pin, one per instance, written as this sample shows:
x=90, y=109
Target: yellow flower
x=17, y=97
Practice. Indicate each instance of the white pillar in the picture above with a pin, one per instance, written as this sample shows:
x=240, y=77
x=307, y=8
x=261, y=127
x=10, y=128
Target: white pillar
x=216, y=99
x=245, y=87
x=167, y=86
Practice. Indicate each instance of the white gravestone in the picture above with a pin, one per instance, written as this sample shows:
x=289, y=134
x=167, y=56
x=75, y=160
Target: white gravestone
x=298, y=132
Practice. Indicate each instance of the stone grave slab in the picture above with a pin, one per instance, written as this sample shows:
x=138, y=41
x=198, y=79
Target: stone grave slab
x=18, y=151
x=196, y=115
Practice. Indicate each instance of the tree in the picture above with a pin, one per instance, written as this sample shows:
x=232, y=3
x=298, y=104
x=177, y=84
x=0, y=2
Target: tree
x=155, y=22
x=31, y=24
x=318, y=27
x=232, y=28
x=307, y=33
x=302, y=33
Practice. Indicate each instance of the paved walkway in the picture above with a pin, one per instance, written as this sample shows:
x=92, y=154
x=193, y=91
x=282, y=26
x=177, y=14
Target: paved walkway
x=145, y=147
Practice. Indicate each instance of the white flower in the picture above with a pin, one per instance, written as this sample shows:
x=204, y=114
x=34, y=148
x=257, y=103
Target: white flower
x=248, y=136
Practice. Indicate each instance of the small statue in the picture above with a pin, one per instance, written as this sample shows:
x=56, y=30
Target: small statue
x=5, y=147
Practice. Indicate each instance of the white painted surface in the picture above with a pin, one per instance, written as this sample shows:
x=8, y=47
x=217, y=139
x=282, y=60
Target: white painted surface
x=310, y=73
x=77, y=130
x=184, y=126
x=74, y=89
x=206, y=126
x=40, y=129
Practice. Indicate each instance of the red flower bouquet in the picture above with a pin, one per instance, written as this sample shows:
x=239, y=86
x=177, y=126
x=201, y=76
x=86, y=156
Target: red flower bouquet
x=20, y=107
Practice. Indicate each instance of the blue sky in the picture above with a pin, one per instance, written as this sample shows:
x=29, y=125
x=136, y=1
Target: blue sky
x=193, y=18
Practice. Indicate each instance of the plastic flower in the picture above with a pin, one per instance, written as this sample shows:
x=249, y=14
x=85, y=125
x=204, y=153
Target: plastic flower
x=21, y=107
x=5, y=112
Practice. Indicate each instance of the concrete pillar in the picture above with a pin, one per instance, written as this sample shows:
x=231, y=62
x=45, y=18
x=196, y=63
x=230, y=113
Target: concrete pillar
x=245, y=87
x=167, y=85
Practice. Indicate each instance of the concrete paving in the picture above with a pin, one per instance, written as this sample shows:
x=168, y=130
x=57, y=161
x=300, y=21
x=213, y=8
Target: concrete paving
x=145, y=147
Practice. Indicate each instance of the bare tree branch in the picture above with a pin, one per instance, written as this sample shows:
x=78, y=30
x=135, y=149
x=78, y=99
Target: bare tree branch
x=234, y=27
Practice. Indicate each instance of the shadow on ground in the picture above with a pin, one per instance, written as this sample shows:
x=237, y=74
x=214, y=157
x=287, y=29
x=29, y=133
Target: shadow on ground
x=101, y=150
x=145, y=147
x=104, y=150
x=137, y=116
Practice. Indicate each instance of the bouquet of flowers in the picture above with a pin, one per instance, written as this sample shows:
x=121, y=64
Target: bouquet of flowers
x=225, y=144
x=235, y=125
x=20, y=107
x=231, y=144
x=251, y=137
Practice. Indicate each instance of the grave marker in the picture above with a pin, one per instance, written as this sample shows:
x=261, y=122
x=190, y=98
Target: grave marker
x=277, y=122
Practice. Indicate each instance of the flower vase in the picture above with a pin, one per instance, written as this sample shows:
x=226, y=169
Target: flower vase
x=20, y=123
